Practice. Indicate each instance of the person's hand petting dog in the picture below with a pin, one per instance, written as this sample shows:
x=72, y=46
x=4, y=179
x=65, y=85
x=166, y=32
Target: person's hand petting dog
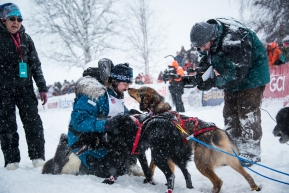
x=111, y=128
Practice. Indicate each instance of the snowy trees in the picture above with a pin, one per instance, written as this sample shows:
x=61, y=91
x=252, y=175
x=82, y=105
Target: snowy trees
x=143, y=33
x=81, y=29
x=270, y=17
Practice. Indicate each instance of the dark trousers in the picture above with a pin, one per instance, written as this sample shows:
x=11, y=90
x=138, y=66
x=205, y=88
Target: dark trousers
x=177, y=90
x=25, y=100
x=242, y=118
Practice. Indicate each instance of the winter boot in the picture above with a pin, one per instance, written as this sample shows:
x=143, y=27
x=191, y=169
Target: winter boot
x=38, y=163
x=12, y=166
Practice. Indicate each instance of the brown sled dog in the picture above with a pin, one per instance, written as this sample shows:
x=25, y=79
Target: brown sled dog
x=206, y=159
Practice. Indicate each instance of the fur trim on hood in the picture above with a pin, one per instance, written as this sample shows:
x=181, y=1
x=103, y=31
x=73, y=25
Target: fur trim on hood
x=90, y=87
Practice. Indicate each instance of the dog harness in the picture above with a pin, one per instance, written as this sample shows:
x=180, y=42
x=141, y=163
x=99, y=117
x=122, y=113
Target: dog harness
x=180, y=124
x=137, y=137
x=195, y=120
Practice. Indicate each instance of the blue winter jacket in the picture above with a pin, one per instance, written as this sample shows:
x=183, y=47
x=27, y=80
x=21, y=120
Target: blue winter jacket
x=90, y=104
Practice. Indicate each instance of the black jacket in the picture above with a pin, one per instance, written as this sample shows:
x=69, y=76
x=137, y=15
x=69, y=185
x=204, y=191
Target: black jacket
x=10, y=58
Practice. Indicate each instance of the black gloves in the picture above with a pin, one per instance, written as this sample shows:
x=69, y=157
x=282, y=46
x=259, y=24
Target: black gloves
x=207, y=85
x=111, y=126
x=192, y=81
x=278, y=62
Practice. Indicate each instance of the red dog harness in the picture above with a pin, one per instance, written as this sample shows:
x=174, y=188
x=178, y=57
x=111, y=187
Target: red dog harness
x=192, y=119
x=137, y=137
x=181, y=122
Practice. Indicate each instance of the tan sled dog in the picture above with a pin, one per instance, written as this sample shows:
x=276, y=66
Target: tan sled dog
x=206, y=159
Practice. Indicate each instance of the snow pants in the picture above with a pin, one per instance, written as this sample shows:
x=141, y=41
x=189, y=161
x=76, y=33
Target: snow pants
x=242, y=118
x=177, y=90
x=25, y=100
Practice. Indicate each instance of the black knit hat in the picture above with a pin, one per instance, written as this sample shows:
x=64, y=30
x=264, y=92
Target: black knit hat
x=122, y=73
x=201, y=33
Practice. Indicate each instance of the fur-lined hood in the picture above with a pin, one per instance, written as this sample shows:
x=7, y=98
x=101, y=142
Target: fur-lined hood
x=90, y=87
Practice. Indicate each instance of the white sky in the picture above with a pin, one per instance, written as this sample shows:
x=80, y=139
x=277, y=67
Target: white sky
x=177, y=16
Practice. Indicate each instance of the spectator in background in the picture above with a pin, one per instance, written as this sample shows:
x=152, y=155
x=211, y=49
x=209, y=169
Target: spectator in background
x=50, y=90
x=273, y=53
x=138, y=81
x=147, y=79
x=191, y=49
x=194, y=56
x=284, y=55
x=184, y=60
x=160, y=77
x=56, y=90
x=65, y=89
x=183, y=51
x=188, y=64
x=19, y=63
x=72, y=86
x=179, y=58
x=176, y=86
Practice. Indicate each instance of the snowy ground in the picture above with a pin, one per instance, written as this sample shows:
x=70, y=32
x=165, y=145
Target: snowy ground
x=27, y=179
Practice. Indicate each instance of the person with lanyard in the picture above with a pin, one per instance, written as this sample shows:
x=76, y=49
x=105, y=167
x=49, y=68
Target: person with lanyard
x=97, y=100
x=19, y=63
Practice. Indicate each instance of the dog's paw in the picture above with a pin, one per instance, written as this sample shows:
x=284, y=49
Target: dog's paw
x=257, y=189
x=149, y=181
x=108, y=181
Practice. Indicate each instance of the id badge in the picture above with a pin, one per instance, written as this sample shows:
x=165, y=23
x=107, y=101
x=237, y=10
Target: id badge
x=22, y=70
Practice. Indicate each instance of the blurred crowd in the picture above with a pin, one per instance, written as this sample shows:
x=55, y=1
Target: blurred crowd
x=278, y=53
x=58, y=89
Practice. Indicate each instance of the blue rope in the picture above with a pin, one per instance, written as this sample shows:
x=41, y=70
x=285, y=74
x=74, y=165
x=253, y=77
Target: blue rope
x=241, y=159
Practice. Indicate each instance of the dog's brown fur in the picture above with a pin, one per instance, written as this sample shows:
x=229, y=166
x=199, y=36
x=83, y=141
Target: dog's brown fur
x=206, y=159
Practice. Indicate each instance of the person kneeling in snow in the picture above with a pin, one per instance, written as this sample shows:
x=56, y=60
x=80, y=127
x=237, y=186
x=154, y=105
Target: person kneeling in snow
x=95, y=103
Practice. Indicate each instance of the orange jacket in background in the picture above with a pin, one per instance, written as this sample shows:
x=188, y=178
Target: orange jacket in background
x=179, y=70
x=273, y=53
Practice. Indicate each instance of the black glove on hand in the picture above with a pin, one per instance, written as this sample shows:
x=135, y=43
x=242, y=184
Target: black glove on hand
x=166, y=75
x=192, y=81
x=207, y=85
x=111, y=126
x=177, y=76
x=278, y=62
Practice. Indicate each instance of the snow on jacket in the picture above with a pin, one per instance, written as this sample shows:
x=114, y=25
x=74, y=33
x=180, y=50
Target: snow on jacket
x=273, y=52
x=91, y=103
x=10, y=58
x=239, y=57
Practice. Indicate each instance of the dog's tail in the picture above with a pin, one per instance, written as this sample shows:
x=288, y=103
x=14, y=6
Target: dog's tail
x=54, y=165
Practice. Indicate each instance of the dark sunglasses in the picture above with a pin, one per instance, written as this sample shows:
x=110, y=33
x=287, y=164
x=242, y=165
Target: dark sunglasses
x=14, y=19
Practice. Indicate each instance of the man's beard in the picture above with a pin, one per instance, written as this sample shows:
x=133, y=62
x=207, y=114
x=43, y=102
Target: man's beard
x=120, y=95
